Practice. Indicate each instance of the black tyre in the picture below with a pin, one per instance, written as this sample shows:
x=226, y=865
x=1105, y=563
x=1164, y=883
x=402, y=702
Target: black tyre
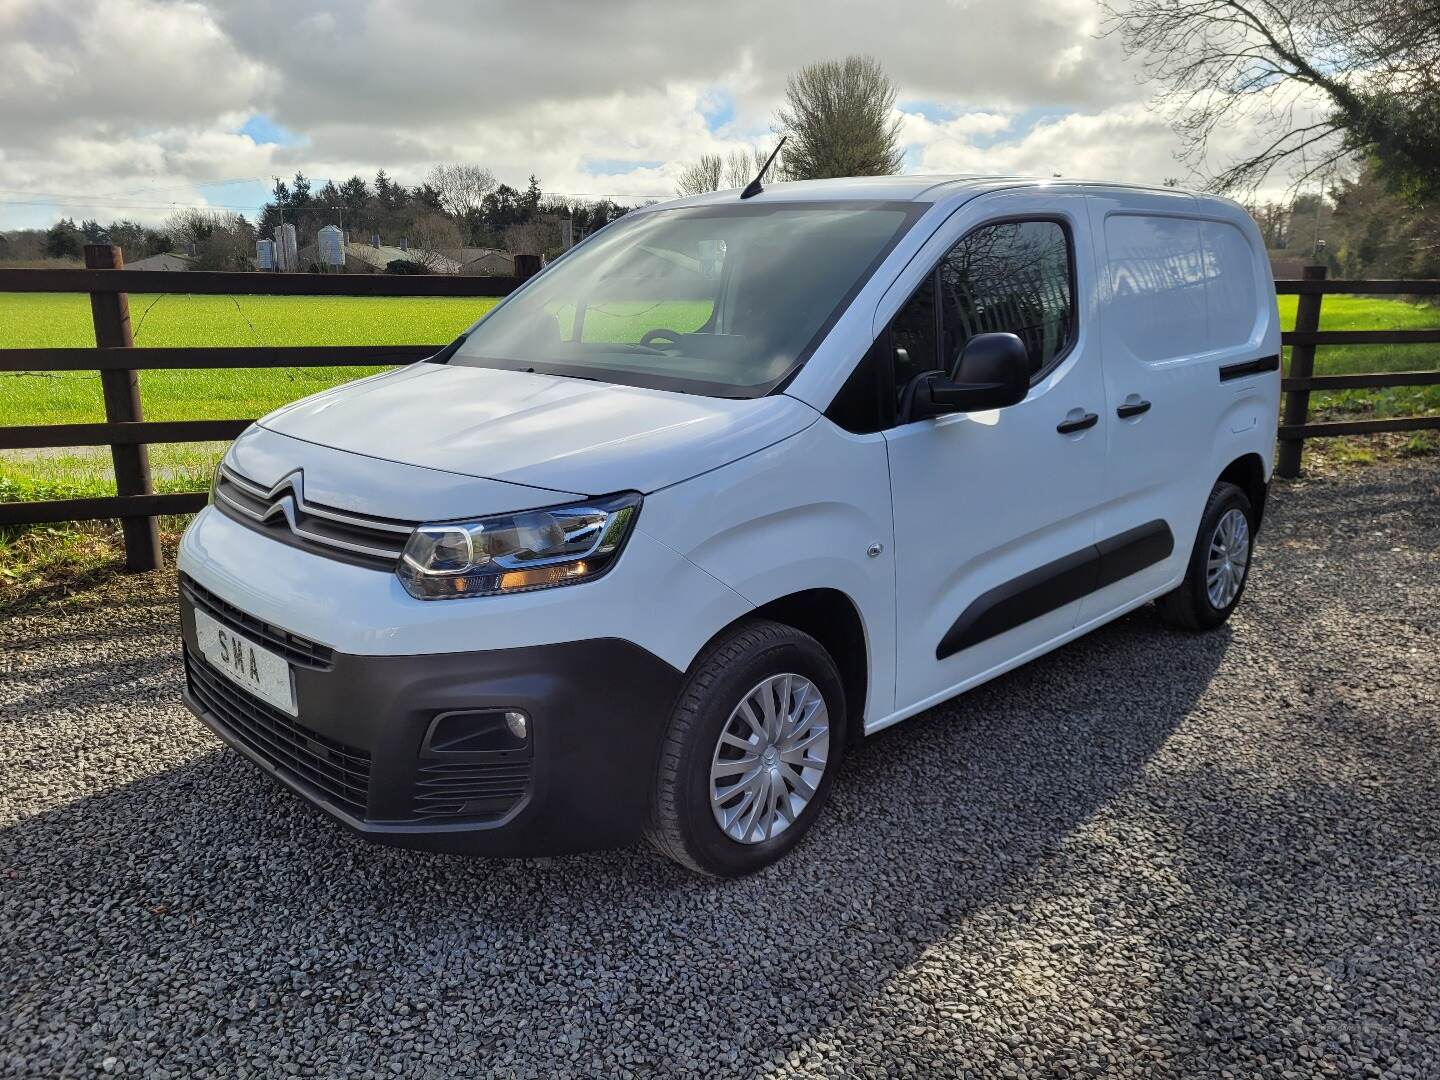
x=1219, y=564
x=750, y=753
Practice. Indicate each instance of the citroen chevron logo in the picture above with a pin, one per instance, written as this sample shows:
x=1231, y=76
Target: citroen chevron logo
x=286, y=497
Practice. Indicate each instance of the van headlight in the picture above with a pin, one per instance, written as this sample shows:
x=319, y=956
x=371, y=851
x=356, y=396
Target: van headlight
x=534, y=549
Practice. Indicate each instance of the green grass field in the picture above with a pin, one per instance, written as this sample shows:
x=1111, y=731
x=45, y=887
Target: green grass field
x=1373, y=313
x=61, y=320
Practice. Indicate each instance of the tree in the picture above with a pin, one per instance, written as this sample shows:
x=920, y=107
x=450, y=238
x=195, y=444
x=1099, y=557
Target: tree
x=427, y=197
x=1274, y=221
x=502, y=208
x=63, y=240
x=701, y=176
x=392, y=196
x=530, y=201
x=461, y=188
x=222, y=240
x=711, y=172
x=354, y=194
x=841, y=121
x=433, y=239
x=740, y=168
x=1321, y=81
x=1373, y=233
x=136, y=240
x=300, y=189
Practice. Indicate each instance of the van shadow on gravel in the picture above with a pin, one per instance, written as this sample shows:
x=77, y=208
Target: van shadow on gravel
x=202, y=901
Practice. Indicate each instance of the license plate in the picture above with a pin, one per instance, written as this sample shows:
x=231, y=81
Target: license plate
x=249, y=666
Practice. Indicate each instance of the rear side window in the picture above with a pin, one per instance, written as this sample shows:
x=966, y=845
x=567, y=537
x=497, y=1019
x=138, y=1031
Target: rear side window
x=1157, y=286
x=1231, y=296
x=1013, y=278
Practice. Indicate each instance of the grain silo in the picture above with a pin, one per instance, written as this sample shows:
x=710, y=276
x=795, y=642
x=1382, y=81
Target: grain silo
x=332, y=246
x=286, y=257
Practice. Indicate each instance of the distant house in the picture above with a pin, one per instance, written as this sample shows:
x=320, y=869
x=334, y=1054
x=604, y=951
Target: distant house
x=168, y=260
x=368, y=258
x=489, y=262
x=1284, y=268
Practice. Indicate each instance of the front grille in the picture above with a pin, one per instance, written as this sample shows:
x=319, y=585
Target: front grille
x=339, y=773
x=293, y=647
x=484, y=791
x=282, y=513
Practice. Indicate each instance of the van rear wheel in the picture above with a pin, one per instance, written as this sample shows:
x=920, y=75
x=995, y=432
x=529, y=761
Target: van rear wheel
x=750, y=752
x=1219, y=564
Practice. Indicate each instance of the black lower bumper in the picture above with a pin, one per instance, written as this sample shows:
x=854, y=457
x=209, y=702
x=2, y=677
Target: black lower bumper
x=367, y=746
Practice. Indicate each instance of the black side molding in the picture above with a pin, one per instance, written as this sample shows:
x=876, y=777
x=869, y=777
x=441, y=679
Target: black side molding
x=1046, y=588
x=1249, y=367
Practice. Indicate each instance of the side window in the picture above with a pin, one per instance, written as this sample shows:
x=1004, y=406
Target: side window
x=1013, y=277
x=1157, y=287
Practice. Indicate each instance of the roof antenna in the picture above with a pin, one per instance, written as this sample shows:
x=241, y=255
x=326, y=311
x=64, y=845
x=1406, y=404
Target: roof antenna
x=754, y=188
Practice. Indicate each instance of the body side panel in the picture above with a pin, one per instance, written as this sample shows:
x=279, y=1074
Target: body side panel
x=796, y=516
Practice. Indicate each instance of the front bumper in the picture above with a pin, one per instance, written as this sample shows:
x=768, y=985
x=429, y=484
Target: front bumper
x=359, y=747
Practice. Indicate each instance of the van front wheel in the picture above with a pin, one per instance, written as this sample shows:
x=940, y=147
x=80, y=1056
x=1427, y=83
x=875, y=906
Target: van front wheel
x=750, y=752
x=1219, y=564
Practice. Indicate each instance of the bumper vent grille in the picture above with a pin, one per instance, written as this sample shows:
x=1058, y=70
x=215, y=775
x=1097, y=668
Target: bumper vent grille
x=293, y=647
x=338, y=773
x=282, y=513
x=484, y=791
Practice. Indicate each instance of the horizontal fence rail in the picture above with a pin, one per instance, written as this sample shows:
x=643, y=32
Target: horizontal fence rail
x=1319, y=285
x=246, y=356
x=213, y=282
x=128, y=434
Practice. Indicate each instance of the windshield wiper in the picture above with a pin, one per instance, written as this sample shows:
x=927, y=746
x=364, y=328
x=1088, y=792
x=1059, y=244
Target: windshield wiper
x=444, y=355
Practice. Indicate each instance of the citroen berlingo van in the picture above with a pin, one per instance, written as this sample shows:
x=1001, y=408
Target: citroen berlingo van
x=735, y=483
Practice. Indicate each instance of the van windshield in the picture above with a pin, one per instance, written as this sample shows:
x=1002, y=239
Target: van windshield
x=725, y=301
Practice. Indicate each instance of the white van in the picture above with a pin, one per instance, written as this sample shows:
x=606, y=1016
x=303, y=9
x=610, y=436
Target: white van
x=733, y=484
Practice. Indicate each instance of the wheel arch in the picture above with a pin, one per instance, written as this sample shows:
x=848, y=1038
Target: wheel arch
x=832, y=619
x=1247, y=472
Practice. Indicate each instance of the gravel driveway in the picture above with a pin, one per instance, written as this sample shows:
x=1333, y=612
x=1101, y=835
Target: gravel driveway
x=1149, y=854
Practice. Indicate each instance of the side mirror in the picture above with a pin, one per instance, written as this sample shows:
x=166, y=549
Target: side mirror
x=993, y=372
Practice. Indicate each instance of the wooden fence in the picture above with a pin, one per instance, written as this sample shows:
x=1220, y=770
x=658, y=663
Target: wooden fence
x=118, y=361
x=1300, y=379
x=128, y=435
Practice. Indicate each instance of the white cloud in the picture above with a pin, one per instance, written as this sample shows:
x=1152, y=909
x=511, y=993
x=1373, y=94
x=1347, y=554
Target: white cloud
x=1126, y=142
x=133, y=104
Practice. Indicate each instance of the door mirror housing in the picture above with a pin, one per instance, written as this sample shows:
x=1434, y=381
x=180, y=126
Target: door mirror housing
x=993, y=371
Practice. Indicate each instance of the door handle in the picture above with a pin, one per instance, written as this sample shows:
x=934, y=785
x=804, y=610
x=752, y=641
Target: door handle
x=1132, y=408
x=1069, y=427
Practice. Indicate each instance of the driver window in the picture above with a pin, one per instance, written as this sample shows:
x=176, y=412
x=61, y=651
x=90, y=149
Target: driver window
x=913, y=336
x=1012, y=277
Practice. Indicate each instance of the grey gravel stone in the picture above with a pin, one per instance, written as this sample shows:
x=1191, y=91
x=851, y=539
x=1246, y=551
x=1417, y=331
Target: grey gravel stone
x=1148, y=854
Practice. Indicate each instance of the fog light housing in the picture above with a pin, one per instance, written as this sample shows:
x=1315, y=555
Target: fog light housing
x=494, y=731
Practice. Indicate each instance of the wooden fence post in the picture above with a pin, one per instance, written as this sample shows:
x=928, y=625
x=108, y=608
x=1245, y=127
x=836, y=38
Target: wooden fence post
x=1302, y=366
x=111, y=314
